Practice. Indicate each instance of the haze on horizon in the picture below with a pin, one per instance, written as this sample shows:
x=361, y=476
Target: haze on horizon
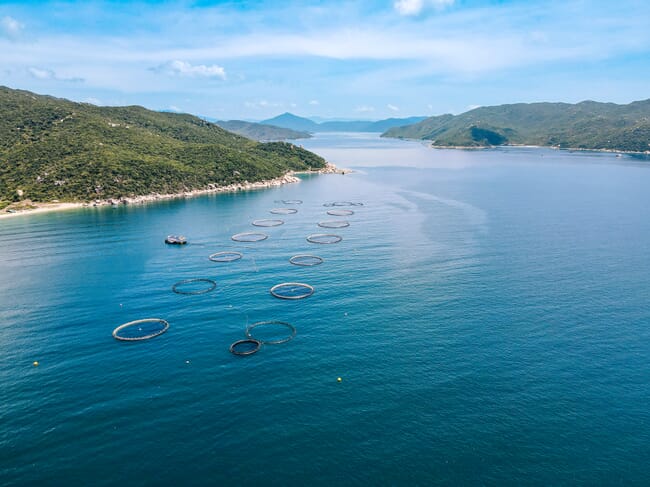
x=354, y=60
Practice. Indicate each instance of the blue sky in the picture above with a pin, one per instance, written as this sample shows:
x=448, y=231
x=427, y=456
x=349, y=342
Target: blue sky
x=333, y=59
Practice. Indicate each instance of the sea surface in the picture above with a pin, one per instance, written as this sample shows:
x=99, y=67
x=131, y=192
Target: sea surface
x=487, y=312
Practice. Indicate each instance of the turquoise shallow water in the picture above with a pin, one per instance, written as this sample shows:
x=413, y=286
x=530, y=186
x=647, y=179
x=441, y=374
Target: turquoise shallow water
x=488, y=313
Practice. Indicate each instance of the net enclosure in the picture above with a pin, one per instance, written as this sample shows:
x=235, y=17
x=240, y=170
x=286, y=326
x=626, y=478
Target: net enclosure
x=292, y=202
x=340, y=212
x=245, y=347
x=266, y=332
x=342, y=203
x=194, y=286
x=306, y=260
x=268, y=222
x=283, y=211
x=292, y=290
x=249, y=237
x=226, y=256
x=138, y=330
x=334, y=224
x=324, y=238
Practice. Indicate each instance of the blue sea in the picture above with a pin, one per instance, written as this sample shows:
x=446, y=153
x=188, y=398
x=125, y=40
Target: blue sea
x=487, y=312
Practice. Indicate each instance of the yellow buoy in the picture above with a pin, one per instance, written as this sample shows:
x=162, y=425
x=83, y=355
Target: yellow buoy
x=36, y=363
x=339, y=379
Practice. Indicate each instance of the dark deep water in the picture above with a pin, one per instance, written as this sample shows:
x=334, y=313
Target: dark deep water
x=487, y=311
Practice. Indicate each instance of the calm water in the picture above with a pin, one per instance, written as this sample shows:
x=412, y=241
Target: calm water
x=488, y=313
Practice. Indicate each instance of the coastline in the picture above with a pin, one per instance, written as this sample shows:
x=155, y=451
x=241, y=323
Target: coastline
x=289, y=178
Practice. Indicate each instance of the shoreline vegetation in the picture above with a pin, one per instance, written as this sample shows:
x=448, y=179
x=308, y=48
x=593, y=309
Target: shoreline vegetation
x=28, y=207
x=530, y=146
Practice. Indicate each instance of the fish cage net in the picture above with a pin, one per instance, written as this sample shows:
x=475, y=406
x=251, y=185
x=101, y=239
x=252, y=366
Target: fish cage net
x=226, y=256
x=138, y=330
x=268, y=223
x=342, y=203
x=249, y=237
x=306, y=260
x=292, y=290
x=324, y=238
x=271, y=332
x=194, y=286
x=334, y=224
x=340, y=212
x=283, y=211
x=292, y=202
x=245, y=347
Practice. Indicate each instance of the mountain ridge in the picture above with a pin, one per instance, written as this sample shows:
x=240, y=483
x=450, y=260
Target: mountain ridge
x=294, y=122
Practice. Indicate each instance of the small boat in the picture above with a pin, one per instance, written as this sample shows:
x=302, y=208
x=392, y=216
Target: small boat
x=175, y=240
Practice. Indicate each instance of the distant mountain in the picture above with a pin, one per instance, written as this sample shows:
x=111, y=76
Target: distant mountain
x=291, y=121
x=585, y=125
x=51, y=148
x=261, y=131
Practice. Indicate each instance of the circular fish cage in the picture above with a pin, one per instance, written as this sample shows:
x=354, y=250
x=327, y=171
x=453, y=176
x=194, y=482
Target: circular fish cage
x=292, y=202
x=176, y=240
x=324, y=238
x=306, y=260
x=283, y=211
x=340, y=212
x=249, y=237
x=342, y=203
x=226, y=256
x=139, y=330
x=267, y=222
x=334, y=224
x=187, y=286
x=269, y=324
x=292, y=290
x=245, y=347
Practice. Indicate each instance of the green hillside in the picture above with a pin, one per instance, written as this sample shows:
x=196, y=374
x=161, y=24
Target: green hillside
x=52, y=148
x=585, y=125
x=261, y=131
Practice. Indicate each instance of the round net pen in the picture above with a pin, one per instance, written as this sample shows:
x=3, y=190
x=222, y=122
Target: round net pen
x=324, y=238
x=283, y=211
x=245, y=347
x=268, y=223
x=334, y=224
x=139, y=330
x=306, y=260
x=260, y=325
x=249, y=237
x=292, y=290
x=292, y=202
x=194, y=286
x=227, y=256
x=340, y=212
x=342, y=203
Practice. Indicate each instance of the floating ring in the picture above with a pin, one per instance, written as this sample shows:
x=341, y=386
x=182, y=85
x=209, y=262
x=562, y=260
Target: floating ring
x=125, y=326
x=306, y=260
x=247, y=341
x=268, y=223
x=342, y=203
x=291, y=287
x=292, y=329
x=324, y=238
x=249, y=237
x=292, y=202
x=340, y=212
x=210, y=282
x=334, y=224
x=283, y=211
x=226, y=256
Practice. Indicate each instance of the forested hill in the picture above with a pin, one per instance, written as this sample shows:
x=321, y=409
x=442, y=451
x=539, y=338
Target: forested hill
x=261, y=131
x=52, y=148
x=585, y=125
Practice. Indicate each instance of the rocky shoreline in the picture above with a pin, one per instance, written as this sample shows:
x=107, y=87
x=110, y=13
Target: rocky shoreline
x=27, y=207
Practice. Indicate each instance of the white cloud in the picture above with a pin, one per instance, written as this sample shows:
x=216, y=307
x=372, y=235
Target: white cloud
x=10, y=27
x=261, y=104
x=415, y=7
x=182, y=68
x=93, y=101
x=174, y=108
x=364, y=109
x=472, y=107
x=314, y=102
x=48, y=74
x=392, y=108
